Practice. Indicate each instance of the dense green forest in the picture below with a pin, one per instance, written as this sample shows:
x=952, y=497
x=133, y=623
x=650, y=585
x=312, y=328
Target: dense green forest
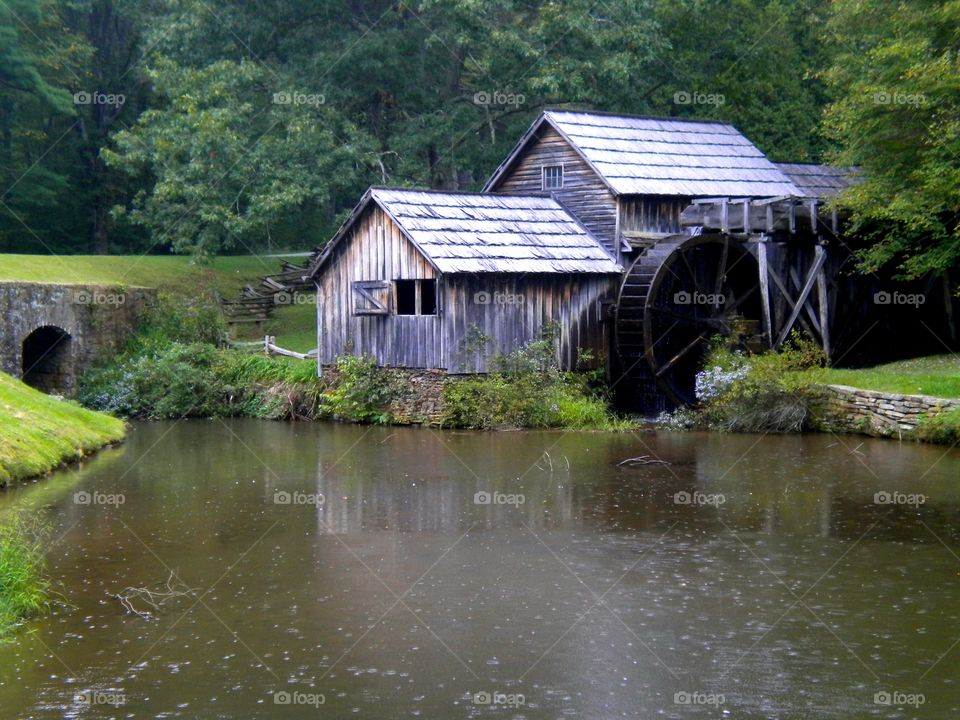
x=208, y=126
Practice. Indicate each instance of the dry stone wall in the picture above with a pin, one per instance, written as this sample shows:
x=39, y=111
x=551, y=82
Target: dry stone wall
x=849, y=409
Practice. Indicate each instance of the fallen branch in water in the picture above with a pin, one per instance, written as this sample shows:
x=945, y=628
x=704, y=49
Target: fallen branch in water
x=155, y=599
x=548, y=461
x=643, y=460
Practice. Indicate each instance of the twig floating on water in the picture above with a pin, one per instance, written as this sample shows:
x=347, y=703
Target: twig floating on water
x=154, y=598
x=643, y=460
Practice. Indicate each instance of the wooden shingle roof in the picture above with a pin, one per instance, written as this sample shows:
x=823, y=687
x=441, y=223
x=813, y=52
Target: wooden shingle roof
x=646, y=156
x=818, y=181
x=477, y=233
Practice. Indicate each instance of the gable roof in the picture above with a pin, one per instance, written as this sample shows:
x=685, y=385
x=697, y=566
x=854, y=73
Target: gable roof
x=475, y=233
x=647, y=156
x=819, y=181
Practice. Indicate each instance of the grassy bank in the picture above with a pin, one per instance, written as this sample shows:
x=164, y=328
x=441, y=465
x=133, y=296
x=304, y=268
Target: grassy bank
x=24, y=586
x=937, y=375
x=39, y=433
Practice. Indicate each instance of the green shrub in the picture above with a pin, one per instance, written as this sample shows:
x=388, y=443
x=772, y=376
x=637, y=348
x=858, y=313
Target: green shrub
x=198, y=380
x=496, y=401
x=24, y=586
x=759, y=393
x=363, y=392
x=185, y=319
x=526, y=389
x=170, y=382
x=272, y=388
x=167, y=369
x=943, y=428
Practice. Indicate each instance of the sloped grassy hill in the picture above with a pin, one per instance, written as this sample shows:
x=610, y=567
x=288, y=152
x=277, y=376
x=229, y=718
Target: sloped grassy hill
x=226, y=274
x=39, y=433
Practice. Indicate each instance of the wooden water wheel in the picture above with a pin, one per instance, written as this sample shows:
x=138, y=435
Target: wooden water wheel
x=674, y=298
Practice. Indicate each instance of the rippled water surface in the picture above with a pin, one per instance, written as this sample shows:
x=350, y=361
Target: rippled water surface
x=331, y=571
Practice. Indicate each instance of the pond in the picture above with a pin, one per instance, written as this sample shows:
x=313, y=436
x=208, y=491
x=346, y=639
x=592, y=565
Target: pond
x=325, y=570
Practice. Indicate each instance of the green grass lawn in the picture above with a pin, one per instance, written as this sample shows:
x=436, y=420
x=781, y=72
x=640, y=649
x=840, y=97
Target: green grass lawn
x=228, y=273
x=937, y=375
x=294, y=326
x=39, y=433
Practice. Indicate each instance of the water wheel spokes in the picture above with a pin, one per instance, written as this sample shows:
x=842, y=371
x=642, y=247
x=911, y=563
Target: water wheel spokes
x=677, y=296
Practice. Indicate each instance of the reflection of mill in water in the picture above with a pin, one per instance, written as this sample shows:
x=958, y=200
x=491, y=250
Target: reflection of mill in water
x=440, y=501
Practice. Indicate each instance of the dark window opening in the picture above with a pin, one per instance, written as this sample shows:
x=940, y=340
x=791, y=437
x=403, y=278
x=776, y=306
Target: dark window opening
x=552, y=177
x=416, y=297
x=428, y=297
x=406, y=297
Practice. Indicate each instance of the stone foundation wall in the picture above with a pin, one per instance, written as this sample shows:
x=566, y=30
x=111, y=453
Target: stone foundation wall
x=98, y=320
x=421, y=402
x=849, y=409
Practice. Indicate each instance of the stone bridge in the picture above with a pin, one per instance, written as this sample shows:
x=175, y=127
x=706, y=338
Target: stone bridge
x=51, y=333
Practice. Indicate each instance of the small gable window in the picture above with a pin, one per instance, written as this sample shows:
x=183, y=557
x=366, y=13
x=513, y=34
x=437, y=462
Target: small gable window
x=416, y=297
x=552, y=177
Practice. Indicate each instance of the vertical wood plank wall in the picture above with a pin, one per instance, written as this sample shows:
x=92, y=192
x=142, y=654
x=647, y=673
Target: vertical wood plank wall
x=583, y=193
x=571, y=300
x=651, y=213
x=512, y=311
x=370, y=254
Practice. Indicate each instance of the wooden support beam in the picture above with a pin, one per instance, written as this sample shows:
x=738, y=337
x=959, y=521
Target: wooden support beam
x=721, y=272
x=765, y=283
x=792, y=218
x=746, y=216
x=769, y=209
x=804, y=294
x=835, y=222
x=724, y=216
x=813, y=216
x=795, y=277
x=823, y=302
x=784, y=297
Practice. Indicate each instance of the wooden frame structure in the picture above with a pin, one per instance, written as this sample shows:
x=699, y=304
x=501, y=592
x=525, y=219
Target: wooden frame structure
x=798, y=253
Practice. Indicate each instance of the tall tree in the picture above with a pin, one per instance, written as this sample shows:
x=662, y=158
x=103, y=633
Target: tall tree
x=428, y=93
x=67, y=77
x=37, y=53
x=233, y=158
x=896, y=116
x=114, y=92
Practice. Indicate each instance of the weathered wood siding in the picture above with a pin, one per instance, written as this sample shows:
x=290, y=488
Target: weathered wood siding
x=583, y=193
x=510, y=309
x=513, y=309
x=651, y=213
x=371, y=254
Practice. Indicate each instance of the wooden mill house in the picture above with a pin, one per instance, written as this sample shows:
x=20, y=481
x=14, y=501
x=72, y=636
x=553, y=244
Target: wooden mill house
x=641, y=238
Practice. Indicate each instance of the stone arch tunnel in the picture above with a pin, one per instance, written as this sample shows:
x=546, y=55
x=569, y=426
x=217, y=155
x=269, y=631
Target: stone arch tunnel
x=46, y=358
x=52, y=333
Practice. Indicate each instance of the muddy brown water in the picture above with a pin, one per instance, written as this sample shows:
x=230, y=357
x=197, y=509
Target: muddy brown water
x=333, y=571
